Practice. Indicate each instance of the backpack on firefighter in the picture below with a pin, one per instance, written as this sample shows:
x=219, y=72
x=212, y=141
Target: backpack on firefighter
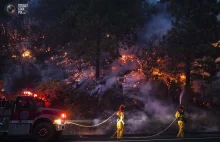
x=181, y=114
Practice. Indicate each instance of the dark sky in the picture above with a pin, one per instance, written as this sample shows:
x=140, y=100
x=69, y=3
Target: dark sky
x=3, y=3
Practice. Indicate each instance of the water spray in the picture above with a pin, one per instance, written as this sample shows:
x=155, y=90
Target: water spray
x=181, y=95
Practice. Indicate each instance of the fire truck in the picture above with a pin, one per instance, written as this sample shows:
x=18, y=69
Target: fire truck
x=27, y=115
x=127, y=86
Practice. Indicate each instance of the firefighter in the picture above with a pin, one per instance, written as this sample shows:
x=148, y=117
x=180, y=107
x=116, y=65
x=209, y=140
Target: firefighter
x=2, y=98
x=181, y=118
x=120, y=122
x=2, y=101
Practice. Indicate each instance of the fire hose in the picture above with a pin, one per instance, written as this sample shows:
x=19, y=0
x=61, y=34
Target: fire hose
x=151, y=135
x=90, y=126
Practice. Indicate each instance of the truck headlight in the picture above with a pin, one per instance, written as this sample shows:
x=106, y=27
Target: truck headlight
x=57, y=121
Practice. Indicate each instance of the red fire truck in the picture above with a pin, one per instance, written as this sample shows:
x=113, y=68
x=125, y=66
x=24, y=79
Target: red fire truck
x=27, y=115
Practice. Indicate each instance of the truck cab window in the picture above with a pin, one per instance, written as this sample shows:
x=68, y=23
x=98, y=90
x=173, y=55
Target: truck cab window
x=31, y=103
x=40, y=103
x=23, y=103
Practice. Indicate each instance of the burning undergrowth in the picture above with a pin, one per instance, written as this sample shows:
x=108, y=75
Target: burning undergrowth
x=154, y=117
x=157, y=115
x=151, y=116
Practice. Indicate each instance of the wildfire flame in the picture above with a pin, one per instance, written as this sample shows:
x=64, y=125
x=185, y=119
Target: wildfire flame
x=26, y=54
x=126, y=58
x=80, y=69
x=182, y=77
x=217, y=44
x=14, y=56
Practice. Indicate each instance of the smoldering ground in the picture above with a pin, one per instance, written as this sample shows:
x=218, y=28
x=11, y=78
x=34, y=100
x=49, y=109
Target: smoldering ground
x=154, y=117
x=158, y=114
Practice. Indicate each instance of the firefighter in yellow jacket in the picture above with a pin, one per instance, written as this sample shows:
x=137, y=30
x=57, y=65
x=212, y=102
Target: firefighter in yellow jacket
x=120, y=122
x=181, y=118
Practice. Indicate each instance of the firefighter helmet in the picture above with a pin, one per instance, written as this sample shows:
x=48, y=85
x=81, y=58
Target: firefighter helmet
x=3, y=98
x=180, y=107
x=121, y=107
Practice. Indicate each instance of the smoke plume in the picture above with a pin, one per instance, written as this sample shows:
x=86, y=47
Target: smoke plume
x=159, y=24
x=218, y=17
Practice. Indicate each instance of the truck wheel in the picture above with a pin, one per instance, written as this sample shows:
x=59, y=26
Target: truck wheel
x=44, y=132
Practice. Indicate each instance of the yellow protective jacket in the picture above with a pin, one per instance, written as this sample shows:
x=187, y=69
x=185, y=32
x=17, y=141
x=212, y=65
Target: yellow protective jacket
x=180, y=115
x=121, y=116
x=120, y=124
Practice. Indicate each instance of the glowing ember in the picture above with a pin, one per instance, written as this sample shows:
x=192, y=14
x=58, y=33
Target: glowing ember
x=156, y=72
x=14, y=56
x=217, y=44
x=217, y=60
x=27, y=54
x=114, y=68
x=126, y=58
x=182, y=77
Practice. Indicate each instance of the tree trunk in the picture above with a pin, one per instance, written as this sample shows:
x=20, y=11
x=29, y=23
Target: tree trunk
x=187, y=92
x=6, y=35
x=23, y=70
x=187, y=71
x=117, y=52
x=98, y=54
x=1, y=34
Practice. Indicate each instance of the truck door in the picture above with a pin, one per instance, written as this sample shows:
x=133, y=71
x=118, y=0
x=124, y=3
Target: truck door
x=23, y=116
x=6, y=109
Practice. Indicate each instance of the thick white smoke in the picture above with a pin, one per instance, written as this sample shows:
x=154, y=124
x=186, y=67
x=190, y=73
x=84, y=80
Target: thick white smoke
x=159, y=24
x=157, y=115
x=153, y=1
x=218, y=17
